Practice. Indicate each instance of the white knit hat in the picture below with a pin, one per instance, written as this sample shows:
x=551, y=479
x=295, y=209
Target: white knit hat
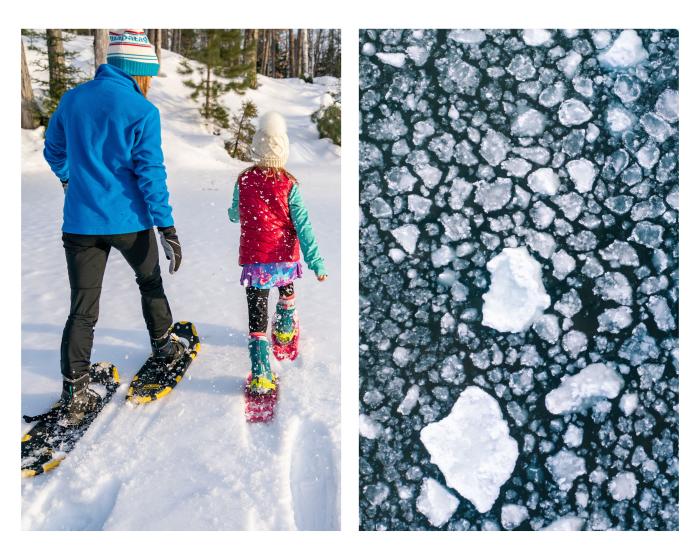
x=270, y=143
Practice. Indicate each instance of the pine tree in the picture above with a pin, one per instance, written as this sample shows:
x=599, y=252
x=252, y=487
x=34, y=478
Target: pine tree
x=62, y=75
x=242, y=131
x=225, y=66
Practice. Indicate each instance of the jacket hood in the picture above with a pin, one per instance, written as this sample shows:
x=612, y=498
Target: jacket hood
x=110, y=72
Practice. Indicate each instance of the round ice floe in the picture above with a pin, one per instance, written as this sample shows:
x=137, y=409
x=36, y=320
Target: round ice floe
x=543, y=181
x=528, y=123
x=516, y=296
x=619, y=120
x=623, y=486
x=473, y=448
x=667, y=105
x=513, y=515
x=574, y=112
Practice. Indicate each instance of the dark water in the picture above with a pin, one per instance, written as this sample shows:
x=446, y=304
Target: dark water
x=402, y=303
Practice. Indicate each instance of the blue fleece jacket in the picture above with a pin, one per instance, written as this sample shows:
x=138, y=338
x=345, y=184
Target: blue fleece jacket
x=104, y=139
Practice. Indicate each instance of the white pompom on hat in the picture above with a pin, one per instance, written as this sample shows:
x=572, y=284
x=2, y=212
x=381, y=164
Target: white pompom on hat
x=270, y=142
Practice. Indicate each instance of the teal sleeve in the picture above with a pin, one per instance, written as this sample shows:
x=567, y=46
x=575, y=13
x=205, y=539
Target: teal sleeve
x=233, y=214
x=307, y=239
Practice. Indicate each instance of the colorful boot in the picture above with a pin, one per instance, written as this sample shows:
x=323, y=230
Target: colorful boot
x=285, y=330
x=261, y=385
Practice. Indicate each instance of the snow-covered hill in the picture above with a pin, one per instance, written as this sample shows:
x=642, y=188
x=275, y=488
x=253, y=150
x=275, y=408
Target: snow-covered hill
x=190, y=461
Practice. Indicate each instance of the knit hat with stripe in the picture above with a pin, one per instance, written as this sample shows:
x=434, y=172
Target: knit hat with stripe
x=130, y=50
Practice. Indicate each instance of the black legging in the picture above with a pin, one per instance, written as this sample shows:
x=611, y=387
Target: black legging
x=257, y=306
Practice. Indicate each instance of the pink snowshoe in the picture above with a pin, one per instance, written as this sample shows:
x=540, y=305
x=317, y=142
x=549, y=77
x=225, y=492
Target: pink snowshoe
x=260, y=406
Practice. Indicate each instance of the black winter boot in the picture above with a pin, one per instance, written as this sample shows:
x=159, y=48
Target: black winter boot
x=167, y=349
x=78, y=400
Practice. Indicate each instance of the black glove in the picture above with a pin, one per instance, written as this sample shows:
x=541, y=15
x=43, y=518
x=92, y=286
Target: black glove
x=64, y=184
x=171, y=246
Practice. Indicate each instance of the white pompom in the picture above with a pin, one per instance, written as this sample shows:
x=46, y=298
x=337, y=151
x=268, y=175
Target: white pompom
x=273, y=124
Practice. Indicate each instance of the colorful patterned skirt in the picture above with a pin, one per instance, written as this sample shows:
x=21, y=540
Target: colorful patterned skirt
x=270, y=275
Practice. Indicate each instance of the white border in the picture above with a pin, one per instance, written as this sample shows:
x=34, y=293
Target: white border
x=349, y=16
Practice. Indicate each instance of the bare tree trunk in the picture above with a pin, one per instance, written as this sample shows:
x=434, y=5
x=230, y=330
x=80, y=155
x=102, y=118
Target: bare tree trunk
x=101, y=40
x=57, y=63
x=30, y=113
x=158, y=43
x=317, y=50
x=265, y=52
x=251, y=46
x=305, y=53
x=273, y=58
x=297, y=56
x=290, y=53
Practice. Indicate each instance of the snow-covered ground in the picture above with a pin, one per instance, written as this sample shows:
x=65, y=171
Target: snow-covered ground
x=190, y=461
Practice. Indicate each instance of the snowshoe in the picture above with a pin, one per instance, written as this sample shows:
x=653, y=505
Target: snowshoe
x=57, y=431
x=166, y=367
x=285, y=331
x=260, y=398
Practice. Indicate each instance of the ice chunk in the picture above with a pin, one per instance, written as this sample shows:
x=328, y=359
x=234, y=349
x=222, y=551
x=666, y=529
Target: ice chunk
x=494, y=147
x=614, y=286
x=571, y=204
x=620, y=253
x=517, y=167
x=436, y=502
x=627, y=50
x=430, y=174
x=410, y=400
x=614, y=320
x=400, y=179
x=574, y=112
x=552, y=95
x=623, y=486
x=418, y=54
x=377, y=493
x=442, y=256
x=574, y=342
x=467, y=36
x=542, y=215
x=628, y=403
x=582, y=173
x=662, y=313
x=656, y=127
x=547, y=328
x=419, y=205
x=646, y=233
x=537, y=155
x=580, y=391
x=393, y=59
x=563, y=264
x=569, y=64
x=565, y=468
x=569, y=304
x=521, y=67
x=528, y=123
x=667, y=105
x=573, y=437
x=459, y=192
x=457, y=76
x=493, y=196
x=369, y=428
x=648, y=155
x=379, y=208
x=619, y=119
x=513, y=515
x=473, y=448
x=516, y=296
x=536, y=37
x=401, y=356
x=544, y=181
x=407, y=236
x=566, y=523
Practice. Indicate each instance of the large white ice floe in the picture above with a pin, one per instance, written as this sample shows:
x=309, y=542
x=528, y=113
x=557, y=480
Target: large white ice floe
x=473, y=448
x=578, y=392
x=436, y=502
x=627, y=50
x=516, y=296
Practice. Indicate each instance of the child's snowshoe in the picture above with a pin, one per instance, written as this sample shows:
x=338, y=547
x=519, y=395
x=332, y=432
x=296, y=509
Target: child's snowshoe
x=285, y=331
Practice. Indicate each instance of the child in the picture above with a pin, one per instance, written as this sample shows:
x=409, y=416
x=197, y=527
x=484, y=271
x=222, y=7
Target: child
x=274, y=224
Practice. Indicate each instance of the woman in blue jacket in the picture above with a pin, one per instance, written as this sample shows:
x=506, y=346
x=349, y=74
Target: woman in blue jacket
x=103, y=143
